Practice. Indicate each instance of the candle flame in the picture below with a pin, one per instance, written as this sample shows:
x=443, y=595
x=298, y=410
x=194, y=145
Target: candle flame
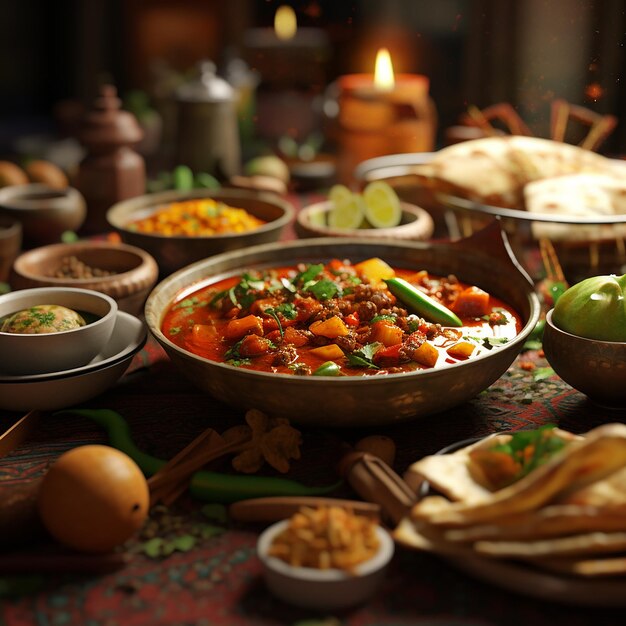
x=383, y=72
x=285, y=22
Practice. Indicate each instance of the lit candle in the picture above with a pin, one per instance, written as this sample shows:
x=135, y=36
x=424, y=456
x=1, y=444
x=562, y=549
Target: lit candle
x=287, y=54
x=291, y=61
x=383, y=114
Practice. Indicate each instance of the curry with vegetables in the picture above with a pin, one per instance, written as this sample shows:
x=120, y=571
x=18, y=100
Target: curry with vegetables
x=339, y=319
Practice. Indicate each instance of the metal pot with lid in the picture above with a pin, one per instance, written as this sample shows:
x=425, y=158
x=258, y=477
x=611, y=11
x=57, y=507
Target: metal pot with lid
x=207, y=129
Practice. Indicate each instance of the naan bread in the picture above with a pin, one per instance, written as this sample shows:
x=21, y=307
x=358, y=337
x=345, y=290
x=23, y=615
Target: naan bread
x=608, y=492
x=496, y=170
x=573, y=545
x=479, y=170
x=450, y=474
x=577, y=195
x=568, y=515
x=550, y=521
x=599, y=454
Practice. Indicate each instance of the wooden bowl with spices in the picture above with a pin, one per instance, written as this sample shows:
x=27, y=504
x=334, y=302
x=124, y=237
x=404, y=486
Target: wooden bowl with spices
x=181, y=227
x=124, y=272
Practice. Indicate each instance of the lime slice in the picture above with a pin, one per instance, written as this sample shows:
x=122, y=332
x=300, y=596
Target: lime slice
x=382, y=205
x=347, y=212
x=339, y=194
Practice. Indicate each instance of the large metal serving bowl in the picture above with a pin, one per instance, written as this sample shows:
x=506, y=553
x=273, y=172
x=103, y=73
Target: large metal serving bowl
x=483, y=259
x=173, y=252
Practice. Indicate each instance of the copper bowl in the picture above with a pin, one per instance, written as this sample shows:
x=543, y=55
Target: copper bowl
x=483, y=259
x=10, y=244
x=45, y=213
x=174, y=252
x=595, y=368
x=134, y=271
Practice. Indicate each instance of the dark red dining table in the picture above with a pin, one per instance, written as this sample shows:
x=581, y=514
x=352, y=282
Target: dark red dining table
x=218, y=581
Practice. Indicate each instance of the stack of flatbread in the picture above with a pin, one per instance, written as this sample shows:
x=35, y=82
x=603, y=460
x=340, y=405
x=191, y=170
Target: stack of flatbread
x=538, y=175
x=567, y=515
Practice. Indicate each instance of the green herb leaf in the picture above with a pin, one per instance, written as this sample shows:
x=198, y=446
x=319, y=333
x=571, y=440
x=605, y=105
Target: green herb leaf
x=184, y=543
x=384, y=318
x=309, y=274
x=323, y=289
x=541, y=373
x=286, y=309
x=364, y=356
x=532, y=344
x=493, y=342
x=153, y=547
x=531, y=448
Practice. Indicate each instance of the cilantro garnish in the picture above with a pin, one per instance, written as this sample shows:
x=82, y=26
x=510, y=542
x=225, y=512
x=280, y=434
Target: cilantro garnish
x=309, y=274
x=364, y=356
x=286, y=309
x=233, y=352
x=323, y=289
x=384, y=318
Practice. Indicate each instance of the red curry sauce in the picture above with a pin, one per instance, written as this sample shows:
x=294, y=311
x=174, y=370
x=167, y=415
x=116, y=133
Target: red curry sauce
x=292, y=320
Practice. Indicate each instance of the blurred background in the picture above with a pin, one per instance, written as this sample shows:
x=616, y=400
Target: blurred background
x=56, y=54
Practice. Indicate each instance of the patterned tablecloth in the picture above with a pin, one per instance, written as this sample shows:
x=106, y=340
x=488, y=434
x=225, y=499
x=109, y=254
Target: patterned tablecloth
x=214, y=576
x=218, y=580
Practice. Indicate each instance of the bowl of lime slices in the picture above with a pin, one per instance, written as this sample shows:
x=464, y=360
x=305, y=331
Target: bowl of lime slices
x=374, y=213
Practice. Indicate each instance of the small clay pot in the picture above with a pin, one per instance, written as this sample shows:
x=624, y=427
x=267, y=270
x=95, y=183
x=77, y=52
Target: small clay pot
x=10, y=244
x=44, y=212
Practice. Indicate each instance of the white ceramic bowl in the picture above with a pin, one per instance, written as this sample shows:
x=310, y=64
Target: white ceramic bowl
x=26, y=354
x=324, y=590
x=59, y=390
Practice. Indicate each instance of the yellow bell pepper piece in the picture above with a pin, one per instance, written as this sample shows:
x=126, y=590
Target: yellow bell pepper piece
x=331, y=328
x=331, y=352
x=426, y=355
x=374, y=270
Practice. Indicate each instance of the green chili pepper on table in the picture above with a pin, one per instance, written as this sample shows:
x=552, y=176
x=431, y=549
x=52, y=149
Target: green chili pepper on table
x=204, y=485
x=427, y=307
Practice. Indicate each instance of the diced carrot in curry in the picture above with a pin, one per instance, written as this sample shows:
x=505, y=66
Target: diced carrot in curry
x=204, y=333
x=472, y=302
x=295, y=337
x=253, y=345
x=426, y=355
x=386, y=333
x=331, y=328
x=238, y=328
x=258, y=306
x=331, y=352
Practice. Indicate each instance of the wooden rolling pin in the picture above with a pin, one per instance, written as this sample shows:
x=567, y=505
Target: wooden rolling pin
x=277, y=508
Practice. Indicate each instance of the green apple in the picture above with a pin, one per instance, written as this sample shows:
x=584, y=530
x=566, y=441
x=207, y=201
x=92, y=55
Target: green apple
x=594, y=308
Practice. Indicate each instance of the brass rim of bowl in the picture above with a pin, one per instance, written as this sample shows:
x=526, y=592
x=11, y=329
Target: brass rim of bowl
x=155, y=327
x=118, y=215
x=24, y=197
x=422, y=218
x=146, y=261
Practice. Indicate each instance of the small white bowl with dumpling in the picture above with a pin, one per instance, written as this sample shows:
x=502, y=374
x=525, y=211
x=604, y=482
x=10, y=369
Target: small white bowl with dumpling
x=52, y=329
